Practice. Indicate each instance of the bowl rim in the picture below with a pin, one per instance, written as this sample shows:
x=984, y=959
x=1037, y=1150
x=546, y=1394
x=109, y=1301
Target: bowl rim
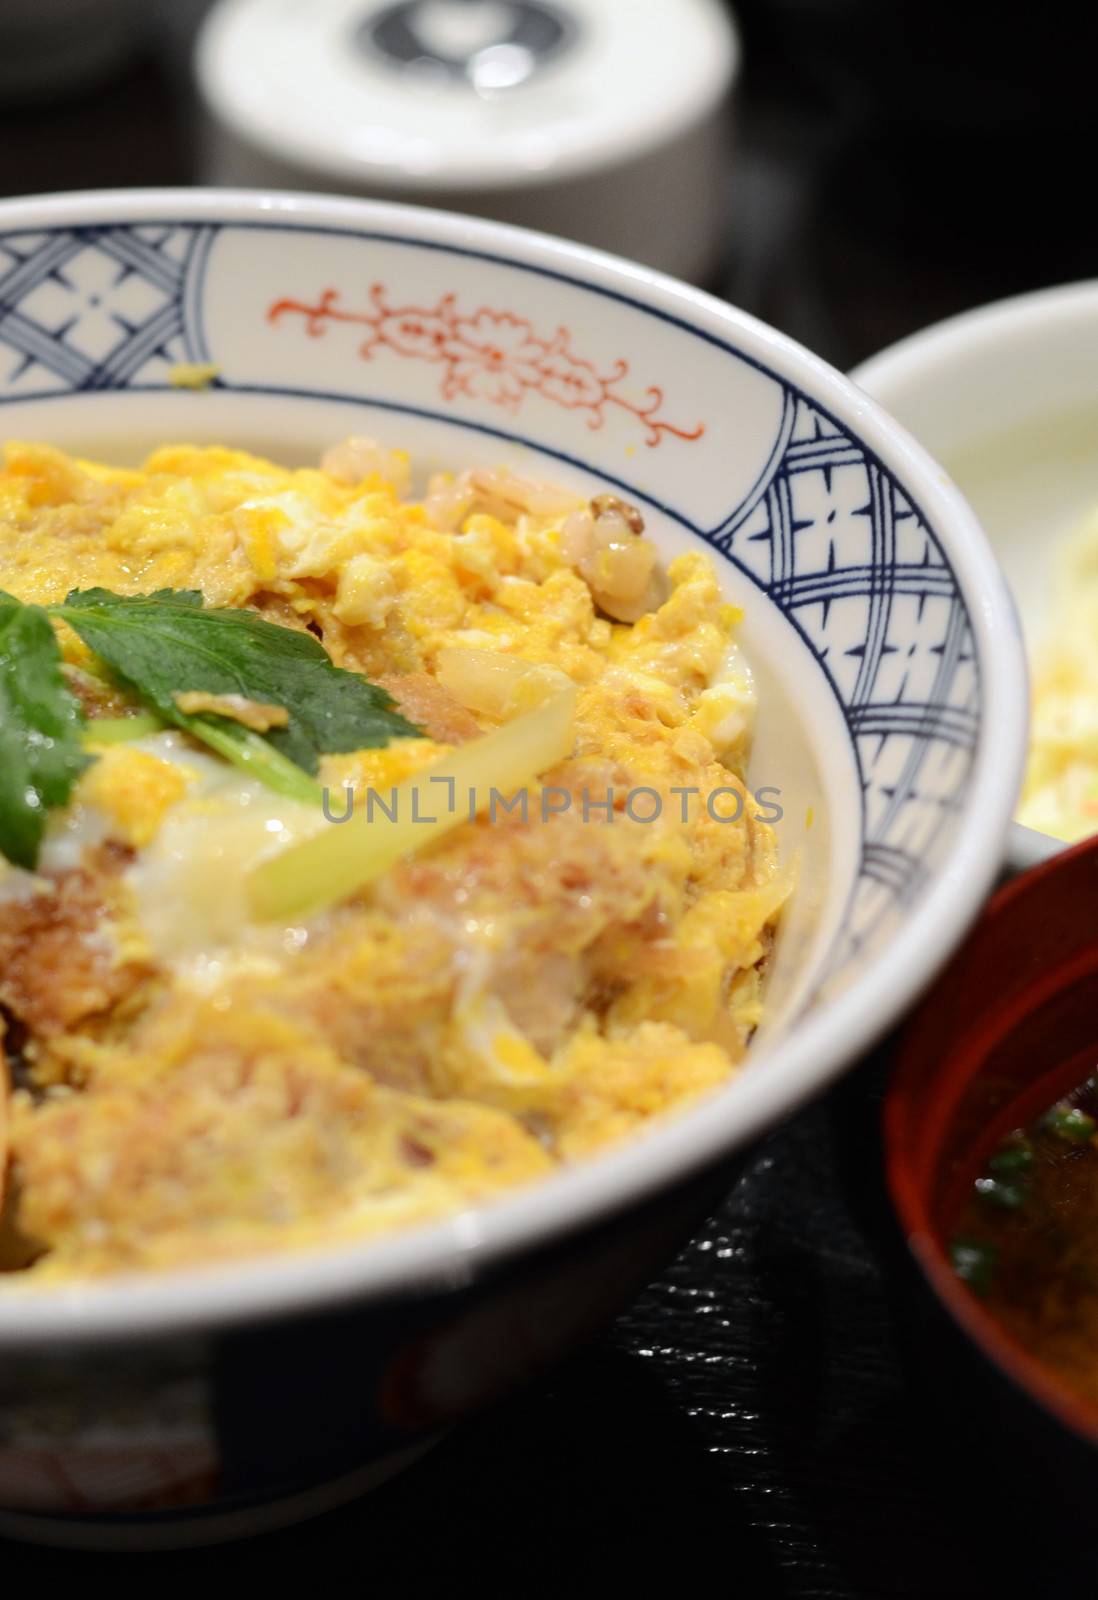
x=967, y=333
x=455, y=1252
x=912, y=1205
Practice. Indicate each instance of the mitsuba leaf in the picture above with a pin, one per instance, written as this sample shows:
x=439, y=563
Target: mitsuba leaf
x=169, y=642
x=41, y=755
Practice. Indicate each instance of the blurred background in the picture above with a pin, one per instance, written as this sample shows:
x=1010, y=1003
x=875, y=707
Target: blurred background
x=885, y=163
x=888, y=163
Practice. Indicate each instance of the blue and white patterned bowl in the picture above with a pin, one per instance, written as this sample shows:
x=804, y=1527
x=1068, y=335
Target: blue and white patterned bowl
x=893, y=719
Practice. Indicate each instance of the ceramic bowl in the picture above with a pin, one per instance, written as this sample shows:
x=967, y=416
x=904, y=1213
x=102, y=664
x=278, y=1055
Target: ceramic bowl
x=1006, y=398
x=892, y=718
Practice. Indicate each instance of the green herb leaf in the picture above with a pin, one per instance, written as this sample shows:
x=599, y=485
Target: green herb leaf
x=1069, y=1123
x=166, y=643
x=252, y=754
x=122, y=730
x=1002, y=1193
x=1014, y=1157
x=41, y=755
x=974, y=1263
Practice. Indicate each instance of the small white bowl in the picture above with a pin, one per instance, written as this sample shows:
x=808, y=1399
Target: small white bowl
x=1006, y=398
x=892, y=717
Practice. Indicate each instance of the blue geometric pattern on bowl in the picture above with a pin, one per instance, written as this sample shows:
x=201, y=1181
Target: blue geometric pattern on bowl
x=98, y=308
x=836, y=544
x=826, y=531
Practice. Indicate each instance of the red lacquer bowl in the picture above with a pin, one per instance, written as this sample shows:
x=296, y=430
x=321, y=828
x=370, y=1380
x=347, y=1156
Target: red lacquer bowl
x=1010, y=1027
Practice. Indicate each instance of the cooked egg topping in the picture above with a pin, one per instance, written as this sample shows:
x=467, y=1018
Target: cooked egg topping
x=195, y=1082
x=1060, y=795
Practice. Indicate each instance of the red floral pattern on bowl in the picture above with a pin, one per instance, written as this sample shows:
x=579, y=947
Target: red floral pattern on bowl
x=489, y=355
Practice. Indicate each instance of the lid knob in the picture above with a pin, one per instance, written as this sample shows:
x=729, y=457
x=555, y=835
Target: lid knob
x=487, y=44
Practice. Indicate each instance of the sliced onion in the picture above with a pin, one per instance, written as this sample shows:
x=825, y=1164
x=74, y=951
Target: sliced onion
x=521, y=496
x=345, y=858
x=494, y=684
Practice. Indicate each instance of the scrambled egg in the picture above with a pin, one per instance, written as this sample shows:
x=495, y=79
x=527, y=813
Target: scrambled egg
x=191, y=1085
x=1060, y=795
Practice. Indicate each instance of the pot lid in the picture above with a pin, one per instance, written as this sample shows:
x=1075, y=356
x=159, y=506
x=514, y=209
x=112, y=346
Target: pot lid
x=463, y=94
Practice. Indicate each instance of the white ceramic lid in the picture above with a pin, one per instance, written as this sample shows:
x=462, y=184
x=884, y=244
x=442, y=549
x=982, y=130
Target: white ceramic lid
x=463, y=94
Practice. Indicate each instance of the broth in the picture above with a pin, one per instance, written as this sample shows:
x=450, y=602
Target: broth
x=1026, y=1238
